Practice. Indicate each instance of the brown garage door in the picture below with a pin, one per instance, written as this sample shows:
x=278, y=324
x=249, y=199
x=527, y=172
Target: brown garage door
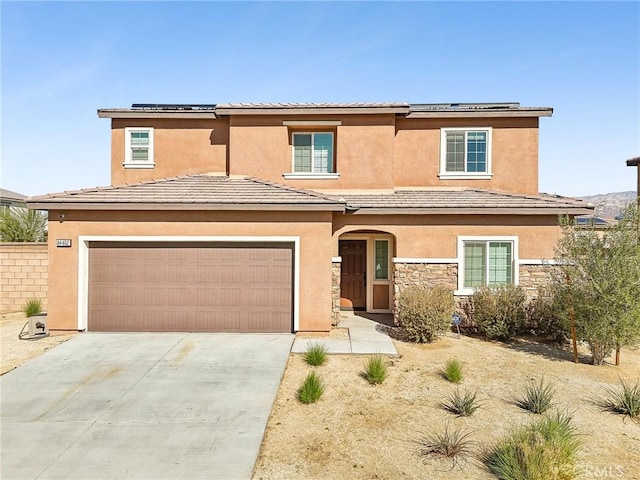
x=190, y=287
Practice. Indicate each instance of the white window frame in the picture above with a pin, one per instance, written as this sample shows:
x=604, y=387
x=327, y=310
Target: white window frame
x=444, y=174
x=515, y=261
x=128, y=162
x=312, y=175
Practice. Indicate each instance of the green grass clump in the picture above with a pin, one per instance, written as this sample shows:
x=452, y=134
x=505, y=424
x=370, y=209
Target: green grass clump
x=316, y=354
x=32, y=307
x=624, y=401
x=375, y=370
x=453, y=370
x=311, y=389
x=544, y=450
x=452, y=444
x=461, y=404
x=536, y=397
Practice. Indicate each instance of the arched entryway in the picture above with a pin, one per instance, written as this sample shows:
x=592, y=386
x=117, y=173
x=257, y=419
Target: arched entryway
x=366, y=274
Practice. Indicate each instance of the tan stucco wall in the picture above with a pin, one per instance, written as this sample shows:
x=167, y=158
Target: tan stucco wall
x=514, y=153
x=436, y=236
x=261, y=146
x=23, y=275
x=181, y=147
x=371, y=151
x=314, y=230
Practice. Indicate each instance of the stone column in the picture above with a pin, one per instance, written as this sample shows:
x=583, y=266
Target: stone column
x=336, y=269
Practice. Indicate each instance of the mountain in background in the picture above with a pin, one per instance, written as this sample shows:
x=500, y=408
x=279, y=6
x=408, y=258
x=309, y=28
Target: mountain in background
x=609, y=205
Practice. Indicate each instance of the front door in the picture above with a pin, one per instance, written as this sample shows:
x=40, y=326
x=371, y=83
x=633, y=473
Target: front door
x=353, y=279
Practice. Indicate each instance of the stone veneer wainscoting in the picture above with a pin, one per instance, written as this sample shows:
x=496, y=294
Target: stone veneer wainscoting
x=406, y=275
x=533, y=276
x=336, y=270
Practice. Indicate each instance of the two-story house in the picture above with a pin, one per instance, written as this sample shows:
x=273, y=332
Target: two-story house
x=273, y=217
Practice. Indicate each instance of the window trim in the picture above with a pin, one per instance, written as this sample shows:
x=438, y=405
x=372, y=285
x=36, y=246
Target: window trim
x=128, y=163
x=445, y=175
x=313, y=175
x=515, y=260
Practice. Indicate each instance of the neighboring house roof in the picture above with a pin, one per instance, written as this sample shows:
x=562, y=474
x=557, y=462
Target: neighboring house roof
x=8, y=197
x=591, y=221
x=465, y=201
x=207, y=192
x=633, y=162
x=410, y=110
x=195, y=192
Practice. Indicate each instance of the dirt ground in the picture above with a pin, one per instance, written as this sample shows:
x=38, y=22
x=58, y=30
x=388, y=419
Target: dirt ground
x=13, y=351
x=359, y=431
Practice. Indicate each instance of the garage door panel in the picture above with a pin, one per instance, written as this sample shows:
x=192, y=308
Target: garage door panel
x=190, y=287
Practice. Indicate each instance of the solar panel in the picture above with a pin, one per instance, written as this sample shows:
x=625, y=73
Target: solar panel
x=174, y=106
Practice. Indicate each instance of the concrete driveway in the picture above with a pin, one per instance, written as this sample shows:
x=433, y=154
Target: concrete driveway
x=141, y=405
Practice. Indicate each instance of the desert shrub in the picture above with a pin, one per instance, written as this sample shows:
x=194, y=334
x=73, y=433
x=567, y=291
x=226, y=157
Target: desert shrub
x=498, y=311
x=316, y=354
x=461, y=404
x=453, y=370
x=311, y=389
x=536, y=397
x=547, y=314
x=544, y=450
x=32, y=307
x=624, y=400
x=424, y=313
x=21, y=225
x=452, y=444
x=375, y=370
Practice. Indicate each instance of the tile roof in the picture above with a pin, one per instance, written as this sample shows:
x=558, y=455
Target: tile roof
x=313, y=105
x=215, y=192
x=463, y=201
x=191, y=192
x=411, y=110
x=10, y=195
x=633, y=162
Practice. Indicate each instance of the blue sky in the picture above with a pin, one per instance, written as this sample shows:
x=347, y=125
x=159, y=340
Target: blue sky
x=61, y=61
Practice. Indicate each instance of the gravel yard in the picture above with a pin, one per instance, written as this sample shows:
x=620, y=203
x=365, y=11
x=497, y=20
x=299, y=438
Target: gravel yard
x=359, y=431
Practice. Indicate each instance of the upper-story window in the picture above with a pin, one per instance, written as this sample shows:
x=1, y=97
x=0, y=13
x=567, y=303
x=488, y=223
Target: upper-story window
x=465, y=153
x=138, y=147
x=313, y=152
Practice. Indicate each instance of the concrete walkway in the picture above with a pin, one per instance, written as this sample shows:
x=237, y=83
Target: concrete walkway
x=362, y=336
x=141, y=406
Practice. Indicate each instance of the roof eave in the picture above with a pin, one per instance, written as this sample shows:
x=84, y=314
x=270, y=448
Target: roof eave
x=102, y=206
x=134, y=113
x=472, y=211
x=633, y=162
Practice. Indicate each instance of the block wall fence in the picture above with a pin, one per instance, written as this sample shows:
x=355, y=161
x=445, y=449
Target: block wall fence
x=24, y=271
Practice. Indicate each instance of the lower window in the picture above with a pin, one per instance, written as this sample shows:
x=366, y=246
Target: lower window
x=488, y=263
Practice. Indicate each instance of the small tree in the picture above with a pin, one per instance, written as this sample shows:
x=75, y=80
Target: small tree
x=602, y=281
x=21, y=225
